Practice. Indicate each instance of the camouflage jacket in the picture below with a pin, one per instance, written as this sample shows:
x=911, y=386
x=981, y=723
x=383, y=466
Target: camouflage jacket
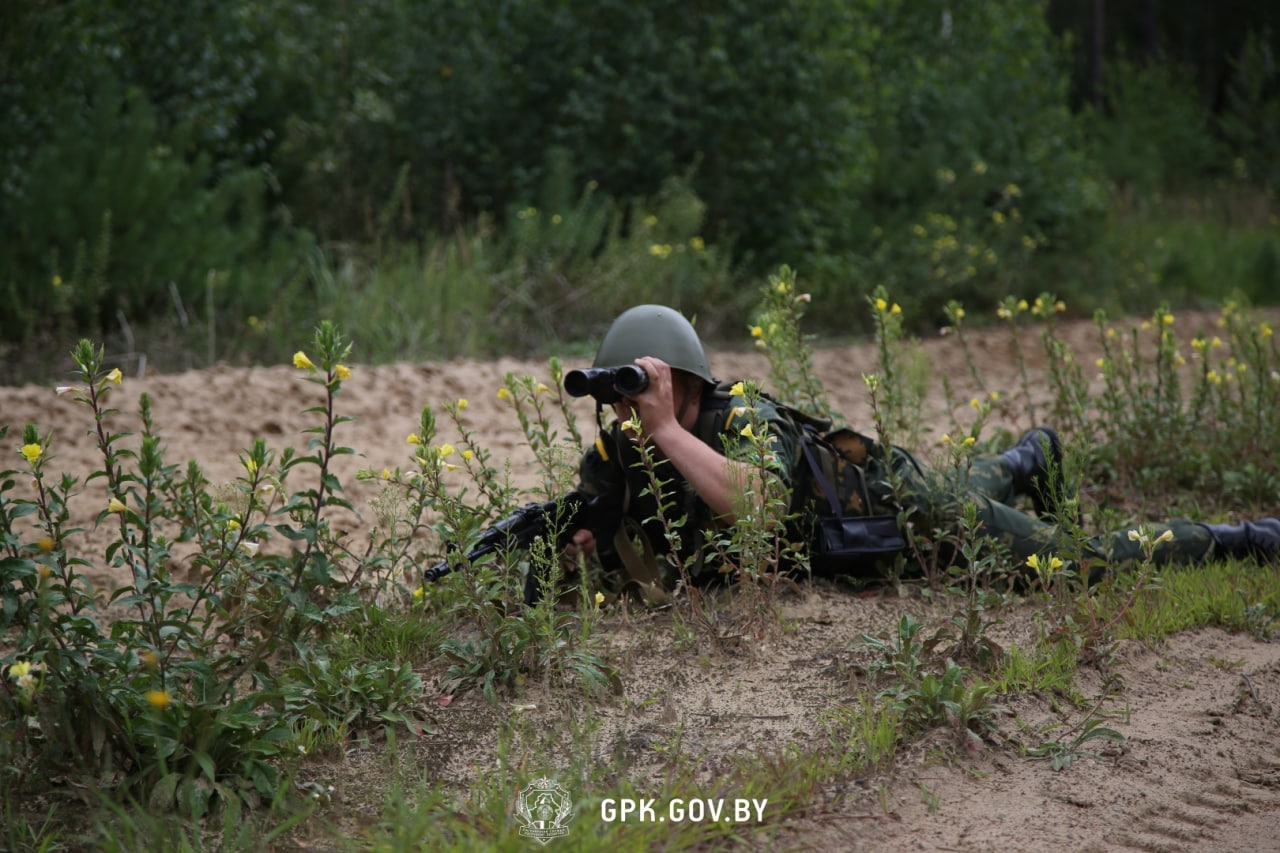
x=614, y=465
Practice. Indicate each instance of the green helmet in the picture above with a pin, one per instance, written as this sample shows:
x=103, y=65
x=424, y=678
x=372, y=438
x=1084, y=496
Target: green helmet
x=657, y=331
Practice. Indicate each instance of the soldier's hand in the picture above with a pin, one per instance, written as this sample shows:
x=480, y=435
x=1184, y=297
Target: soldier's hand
x=655, y=405
x=579, y=550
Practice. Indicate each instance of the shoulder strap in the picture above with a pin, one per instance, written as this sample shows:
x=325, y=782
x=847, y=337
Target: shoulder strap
x=806, y=440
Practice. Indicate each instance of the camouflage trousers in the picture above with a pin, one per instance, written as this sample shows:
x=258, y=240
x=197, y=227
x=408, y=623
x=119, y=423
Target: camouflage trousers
x=936, y=501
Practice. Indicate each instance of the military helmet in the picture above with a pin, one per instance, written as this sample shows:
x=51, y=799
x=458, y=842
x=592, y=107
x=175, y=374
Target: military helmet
x=657, y=331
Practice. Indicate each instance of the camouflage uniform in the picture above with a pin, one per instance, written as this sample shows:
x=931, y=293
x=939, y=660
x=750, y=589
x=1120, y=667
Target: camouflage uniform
x=936, y=502
x=860, y=466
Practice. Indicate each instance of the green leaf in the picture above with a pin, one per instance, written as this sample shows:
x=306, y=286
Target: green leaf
x=206, y=765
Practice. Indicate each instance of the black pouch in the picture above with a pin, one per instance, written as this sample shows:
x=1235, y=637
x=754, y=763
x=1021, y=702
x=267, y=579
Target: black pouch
x=851, y=544
x=848, y=544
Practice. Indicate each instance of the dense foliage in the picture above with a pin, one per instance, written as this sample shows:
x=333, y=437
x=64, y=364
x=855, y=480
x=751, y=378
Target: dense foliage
x=226, y=162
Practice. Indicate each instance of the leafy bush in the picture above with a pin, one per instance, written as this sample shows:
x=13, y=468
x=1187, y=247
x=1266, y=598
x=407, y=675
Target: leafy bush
x=1156, y=131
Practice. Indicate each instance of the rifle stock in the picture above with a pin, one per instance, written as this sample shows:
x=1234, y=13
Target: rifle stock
x=567, y=514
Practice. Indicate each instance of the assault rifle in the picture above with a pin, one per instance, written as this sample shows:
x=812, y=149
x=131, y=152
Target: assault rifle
x=567, y=514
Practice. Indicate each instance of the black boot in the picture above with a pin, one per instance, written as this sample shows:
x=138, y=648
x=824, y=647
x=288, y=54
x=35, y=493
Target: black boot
x=1259, y=538
x=1035, y=474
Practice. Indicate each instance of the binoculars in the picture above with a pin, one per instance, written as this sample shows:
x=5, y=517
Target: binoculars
x=607, y=384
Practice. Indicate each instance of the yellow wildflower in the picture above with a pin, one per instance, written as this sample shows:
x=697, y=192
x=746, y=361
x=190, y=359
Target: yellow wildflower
x=462, y=403
x=543, y=389
x=158, y=699
x=783, y=287
x=969, y=440
x=1265, y=330
x=116, y=505
x=697, y=244
x=995, y=396
x=233, y=524
x=737, y=389
x=301, y=361
x=251, y=466
x=747, y=432
x=467, y=454
x=419, y=593
x=446, y=449
x=32, y=452
x=386, y=473
x=997, y=217
x=149, y=659
x=1167, y=536
x=19, y=669
x=946, y=438
x=1166, y=319
x=45, y=544
x=1003, y=313
x=342, y=371
x=896, y=309
x=45, y=572
x=115, y=376
x=757, y=332
x=1022, y=305
x=599, y=598
x=412, y=438
x=504, y=394
x=881, y=305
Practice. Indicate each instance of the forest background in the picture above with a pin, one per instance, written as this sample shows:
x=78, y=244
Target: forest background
x=206, y=181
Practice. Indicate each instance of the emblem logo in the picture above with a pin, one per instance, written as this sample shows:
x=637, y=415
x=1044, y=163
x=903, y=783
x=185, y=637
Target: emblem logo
x=544, y=807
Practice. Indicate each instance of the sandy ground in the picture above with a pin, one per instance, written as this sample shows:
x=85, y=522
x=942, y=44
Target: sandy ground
x=1200, y=769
